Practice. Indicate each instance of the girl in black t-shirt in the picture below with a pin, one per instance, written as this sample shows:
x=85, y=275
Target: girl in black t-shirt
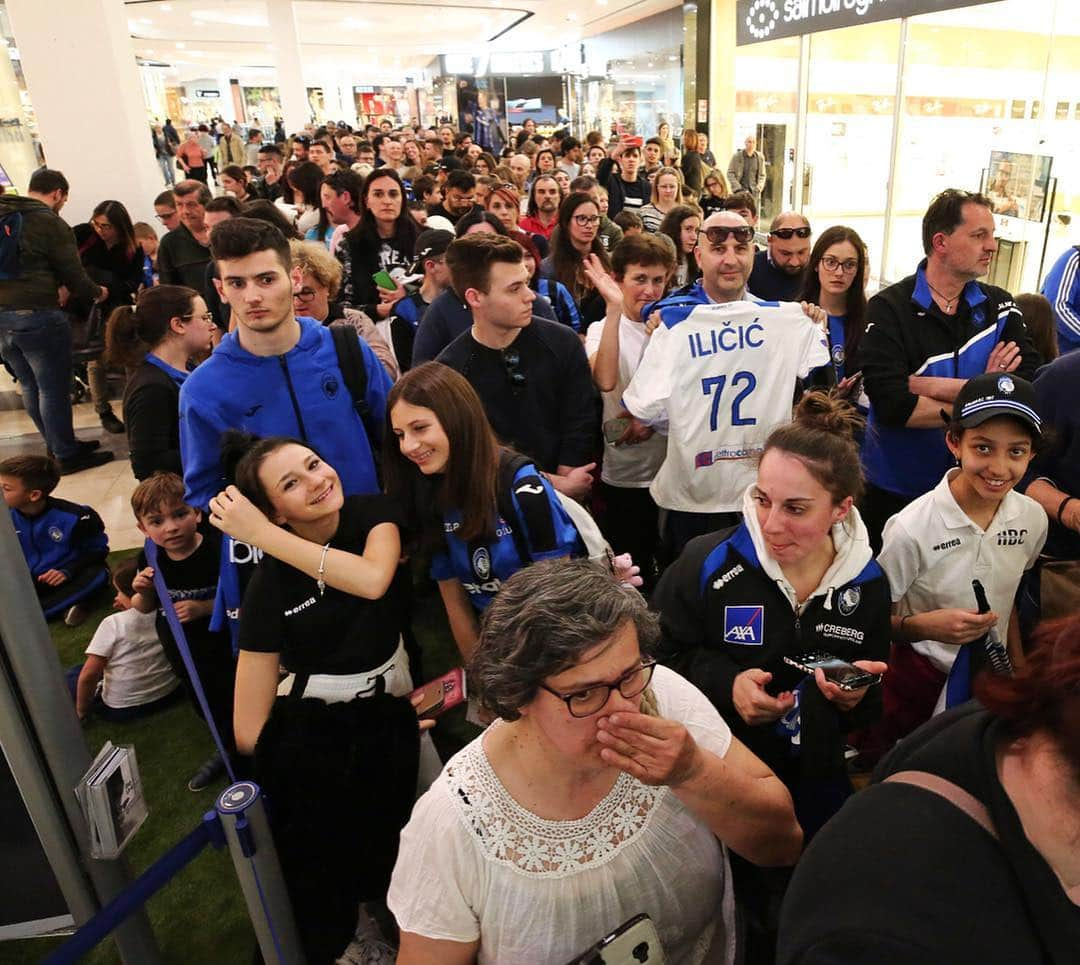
x=336, y=746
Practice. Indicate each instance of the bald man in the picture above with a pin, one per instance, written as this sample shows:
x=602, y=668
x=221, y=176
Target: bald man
x=778, y=270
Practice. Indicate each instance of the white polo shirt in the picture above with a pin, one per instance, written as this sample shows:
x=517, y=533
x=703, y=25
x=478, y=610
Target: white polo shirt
x=932, y=551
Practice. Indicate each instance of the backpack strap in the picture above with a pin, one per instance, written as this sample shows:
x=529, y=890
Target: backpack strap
x=351, y=362
x=953, y=793
x=535, y=508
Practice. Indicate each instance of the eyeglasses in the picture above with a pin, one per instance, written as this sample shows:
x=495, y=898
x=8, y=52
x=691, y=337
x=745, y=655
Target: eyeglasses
x=718, y=234
x=585, y=703
x=165, y=217
x=206, y=317
x=849, y=267
x=305, y=294
x=511, y=359
x=788, y=233
x=586, y=220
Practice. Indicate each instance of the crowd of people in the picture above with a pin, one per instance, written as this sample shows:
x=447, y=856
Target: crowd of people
x=713, y=527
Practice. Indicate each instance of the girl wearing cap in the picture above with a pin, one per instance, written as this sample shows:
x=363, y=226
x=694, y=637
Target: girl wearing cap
x=971, y=526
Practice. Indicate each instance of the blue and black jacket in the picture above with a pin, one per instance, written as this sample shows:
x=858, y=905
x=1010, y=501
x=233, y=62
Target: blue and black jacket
x=66, y=537
x=721, y=613
x=907, y=334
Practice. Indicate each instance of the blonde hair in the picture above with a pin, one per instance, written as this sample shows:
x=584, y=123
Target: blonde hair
x=312, y=258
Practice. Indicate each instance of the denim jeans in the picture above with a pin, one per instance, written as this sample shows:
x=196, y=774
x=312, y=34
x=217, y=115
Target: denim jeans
x=36, y=343
x=168, y=169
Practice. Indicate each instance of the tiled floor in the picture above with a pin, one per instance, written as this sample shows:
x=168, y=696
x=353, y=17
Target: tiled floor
x=106, y=488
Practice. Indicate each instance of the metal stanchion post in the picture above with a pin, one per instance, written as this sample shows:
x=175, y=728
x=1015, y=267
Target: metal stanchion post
x=243, y=816
x=36, y=672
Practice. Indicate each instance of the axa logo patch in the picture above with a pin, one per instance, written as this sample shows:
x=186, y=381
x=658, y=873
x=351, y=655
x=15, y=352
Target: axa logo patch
x=744, y=625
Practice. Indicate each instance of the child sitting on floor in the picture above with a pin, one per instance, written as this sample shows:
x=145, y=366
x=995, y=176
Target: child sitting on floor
x=126, y=657
x=64, y=543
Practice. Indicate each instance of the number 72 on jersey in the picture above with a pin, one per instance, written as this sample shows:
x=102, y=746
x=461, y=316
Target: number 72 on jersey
x=744, y=382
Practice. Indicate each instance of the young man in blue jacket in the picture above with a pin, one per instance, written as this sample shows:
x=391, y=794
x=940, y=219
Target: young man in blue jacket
x=276, y=374
x=64, y=543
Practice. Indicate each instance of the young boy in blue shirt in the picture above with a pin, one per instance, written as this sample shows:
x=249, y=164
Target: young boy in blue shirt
x=64, y=543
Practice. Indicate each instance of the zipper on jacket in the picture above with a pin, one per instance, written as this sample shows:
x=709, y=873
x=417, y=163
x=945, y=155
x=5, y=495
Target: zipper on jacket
x=292, y=397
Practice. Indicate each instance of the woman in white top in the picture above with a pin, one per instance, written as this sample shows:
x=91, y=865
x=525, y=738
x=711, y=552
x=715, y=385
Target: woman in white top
x=642, y=265
x=667, y=189
x=595, y=796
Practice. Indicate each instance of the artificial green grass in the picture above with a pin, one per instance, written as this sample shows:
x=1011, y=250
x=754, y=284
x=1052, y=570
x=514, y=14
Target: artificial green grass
x=199, y=916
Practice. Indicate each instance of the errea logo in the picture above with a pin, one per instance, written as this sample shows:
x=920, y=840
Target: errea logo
x=949, y=544
x=727, y=577
x=762, y=18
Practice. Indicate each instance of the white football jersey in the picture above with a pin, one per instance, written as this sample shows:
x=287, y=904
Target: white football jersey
x=722, y=377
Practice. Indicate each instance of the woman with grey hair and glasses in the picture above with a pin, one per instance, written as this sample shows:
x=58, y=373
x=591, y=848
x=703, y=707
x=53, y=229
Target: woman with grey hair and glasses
x=606, y=787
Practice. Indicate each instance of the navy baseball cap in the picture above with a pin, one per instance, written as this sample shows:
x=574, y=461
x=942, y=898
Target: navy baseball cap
x=995, y=394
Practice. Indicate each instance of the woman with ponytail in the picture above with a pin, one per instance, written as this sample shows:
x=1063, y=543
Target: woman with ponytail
x=797, y=575
x=155, y=339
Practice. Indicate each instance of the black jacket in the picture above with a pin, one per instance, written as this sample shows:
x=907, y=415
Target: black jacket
x=902, y=876
x=721, y=614
x=112, y=267
x=152, y=419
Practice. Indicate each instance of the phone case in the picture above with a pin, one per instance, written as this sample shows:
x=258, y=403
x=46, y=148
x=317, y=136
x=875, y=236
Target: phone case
x=441, y=694
x=634, y=941
x=809, y=662
x=384, y=281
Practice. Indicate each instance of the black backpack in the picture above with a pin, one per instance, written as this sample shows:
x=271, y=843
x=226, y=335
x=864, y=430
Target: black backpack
x=351, y=362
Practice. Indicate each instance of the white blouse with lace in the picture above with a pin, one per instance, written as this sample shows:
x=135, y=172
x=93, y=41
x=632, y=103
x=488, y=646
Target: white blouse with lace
x=474, y=864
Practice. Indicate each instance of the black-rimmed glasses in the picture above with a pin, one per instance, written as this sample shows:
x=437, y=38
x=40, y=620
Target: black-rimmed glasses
x=304, y=294
x=511, y=359
x=788, y=233
x=585, y=703
x=718, y=234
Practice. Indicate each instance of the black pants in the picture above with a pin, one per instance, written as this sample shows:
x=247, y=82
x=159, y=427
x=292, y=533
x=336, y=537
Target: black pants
x=630, y=521
x=876, y=508
x=89, y=587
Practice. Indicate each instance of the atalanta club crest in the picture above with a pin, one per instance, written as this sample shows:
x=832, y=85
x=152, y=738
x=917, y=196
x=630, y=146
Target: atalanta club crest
x=848, y=601
x=481, y=563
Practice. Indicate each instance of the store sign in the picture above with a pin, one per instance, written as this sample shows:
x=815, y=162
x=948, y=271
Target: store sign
x=760, y=20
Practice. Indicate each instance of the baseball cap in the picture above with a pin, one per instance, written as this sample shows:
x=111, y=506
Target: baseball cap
x=450, y=164
x=995, y=394
x=432, y=243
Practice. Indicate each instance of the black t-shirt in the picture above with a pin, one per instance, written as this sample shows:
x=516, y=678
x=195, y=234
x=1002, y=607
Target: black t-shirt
x=548, y=414
x=193, y=578
x=335, y=633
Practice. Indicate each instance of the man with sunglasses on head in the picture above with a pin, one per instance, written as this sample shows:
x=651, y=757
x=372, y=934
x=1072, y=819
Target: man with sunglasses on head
x=778, y=270
x=717, y=377
x=531, y=374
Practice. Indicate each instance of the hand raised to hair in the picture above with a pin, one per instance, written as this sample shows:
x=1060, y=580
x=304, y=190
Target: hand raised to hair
x=237, y=516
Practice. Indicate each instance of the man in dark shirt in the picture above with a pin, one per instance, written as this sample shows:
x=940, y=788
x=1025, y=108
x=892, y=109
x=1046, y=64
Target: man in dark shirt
x=925, y=337
x=459, y=197
x=778, y=270
x=185, y=251
x=531, y=375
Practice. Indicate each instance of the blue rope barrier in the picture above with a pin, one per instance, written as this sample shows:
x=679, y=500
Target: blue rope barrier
x=170, y=864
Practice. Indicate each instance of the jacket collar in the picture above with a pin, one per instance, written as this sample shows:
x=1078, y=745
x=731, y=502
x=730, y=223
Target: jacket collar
x=972, y=292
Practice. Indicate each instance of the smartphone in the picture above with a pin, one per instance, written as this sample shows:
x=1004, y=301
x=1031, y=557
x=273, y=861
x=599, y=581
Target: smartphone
x=633, y=941
x=440, y=695
x=846, y=676
x=614, y=429
x=633, y=140
x=383, y=280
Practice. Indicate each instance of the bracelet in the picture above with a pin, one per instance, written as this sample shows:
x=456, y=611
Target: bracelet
x=1065, y=502
x=320, y=582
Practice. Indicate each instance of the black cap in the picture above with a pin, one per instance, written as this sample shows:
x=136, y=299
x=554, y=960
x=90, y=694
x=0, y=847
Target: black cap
x=432, y=243
x=995, y=394
x=450, y=164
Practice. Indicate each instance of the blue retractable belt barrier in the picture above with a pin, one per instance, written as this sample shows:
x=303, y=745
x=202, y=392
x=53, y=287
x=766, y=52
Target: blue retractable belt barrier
x=142, y=890
x=177, y=629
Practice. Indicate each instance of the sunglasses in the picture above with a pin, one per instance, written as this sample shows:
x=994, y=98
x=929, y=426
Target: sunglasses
x=718, y=234
x=788, y=233
x=511, y=359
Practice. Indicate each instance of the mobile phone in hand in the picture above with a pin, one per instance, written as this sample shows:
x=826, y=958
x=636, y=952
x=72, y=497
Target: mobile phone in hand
x=845, y=675
x=441, y=694
x=383, y=280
